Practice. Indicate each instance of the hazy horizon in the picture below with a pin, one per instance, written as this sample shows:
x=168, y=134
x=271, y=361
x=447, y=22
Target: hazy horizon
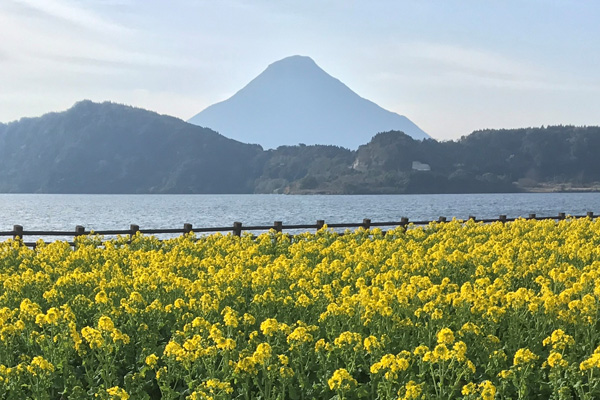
x=450, y=67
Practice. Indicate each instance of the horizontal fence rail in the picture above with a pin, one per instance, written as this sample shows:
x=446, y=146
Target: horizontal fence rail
x=19, y=232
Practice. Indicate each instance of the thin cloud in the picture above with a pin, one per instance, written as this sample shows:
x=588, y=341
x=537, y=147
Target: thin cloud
x=50, y=43
x=72, y=13
x=459, y=79
x=119, y=60
x=443, y=65
x=469, y=60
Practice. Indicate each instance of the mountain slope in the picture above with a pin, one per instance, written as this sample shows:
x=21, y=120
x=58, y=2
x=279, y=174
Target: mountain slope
x=111, y=148
x=294, y=101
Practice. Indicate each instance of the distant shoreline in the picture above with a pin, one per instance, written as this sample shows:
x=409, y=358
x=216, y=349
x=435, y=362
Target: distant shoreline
x=560, y=188
x=539, y=188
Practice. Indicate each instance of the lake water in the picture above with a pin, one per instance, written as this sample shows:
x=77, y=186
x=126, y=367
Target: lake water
x=102, y=212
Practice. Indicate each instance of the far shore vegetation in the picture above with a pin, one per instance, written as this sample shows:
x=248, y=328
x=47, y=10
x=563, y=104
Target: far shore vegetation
x=111, y=148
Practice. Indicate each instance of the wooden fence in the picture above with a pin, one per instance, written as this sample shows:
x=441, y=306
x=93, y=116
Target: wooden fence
x=237, y=228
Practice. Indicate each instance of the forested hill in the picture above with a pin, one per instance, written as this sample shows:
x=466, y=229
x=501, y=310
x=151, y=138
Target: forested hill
x=559, y=154
x=557, y=158
x=111, y=148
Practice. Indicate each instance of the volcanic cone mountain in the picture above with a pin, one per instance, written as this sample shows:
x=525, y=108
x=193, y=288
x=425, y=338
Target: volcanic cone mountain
x=294, y=101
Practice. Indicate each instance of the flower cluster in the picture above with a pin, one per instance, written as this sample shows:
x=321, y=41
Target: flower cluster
x=449, y=310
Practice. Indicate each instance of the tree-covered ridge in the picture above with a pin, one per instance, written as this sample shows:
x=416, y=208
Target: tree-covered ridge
x=561, y=154
x=552, y=158
x=111, y=148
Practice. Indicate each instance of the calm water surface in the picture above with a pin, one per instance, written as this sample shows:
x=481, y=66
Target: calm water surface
x=64, y=212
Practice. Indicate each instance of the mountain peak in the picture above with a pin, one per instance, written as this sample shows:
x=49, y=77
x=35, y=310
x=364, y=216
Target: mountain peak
x=298, y=63
x=295, y=60
x=295, y=101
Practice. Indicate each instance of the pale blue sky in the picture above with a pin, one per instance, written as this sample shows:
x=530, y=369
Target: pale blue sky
x=450, y=66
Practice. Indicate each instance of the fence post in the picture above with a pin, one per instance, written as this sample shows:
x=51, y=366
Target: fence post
x=79, y=230
x=237, y=228
x=590, y=214
x=442, y=219
x=561, y=215
x=502, y=218
x=532, y=216
x=366, y=223
x=187, y=228
x=403, y=223
x=320, y=224
x=278, y=226
x=17, y=232
x=472, y=218
x=134, y=229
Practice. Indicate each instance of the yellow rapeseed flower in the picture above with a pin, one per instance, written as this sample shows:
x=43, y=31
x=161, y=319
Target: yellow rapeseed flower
x=151, y=360
x=524, y=356
x=105, y=324
x=341, y=380
x=445, y=336
x=117, y=393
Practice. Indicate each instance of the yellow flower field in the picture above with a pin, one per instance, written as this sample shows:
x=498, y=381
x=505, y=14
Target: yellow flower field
x=450, y=310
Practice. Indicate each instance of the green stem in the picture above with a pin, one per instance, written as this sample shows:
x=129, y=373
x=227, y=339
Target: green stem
x=437, y=393
x=247, y=391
